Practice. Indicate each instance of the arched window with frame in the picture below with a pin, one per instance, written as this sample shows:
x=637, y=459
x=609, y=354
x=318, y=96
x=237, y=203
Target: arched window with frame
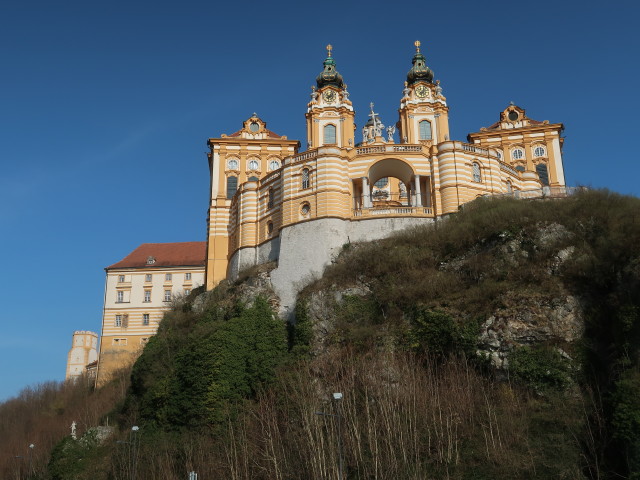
x=517, y=154
x=477, y=174
x=232, y=186
x=539, y=151
x=306, y=178
x=329, y=134
x=543, y=174
x=424, y=130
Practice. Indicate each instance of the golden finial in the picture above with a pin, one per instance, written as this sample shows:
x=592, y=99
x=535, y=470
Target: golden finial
x=329, y=48
x=417, y=44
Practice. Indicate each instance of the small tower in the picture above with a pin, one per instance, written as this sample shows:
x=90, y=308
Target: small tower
x=83, y=351
x=424, y=114
x=330, y=115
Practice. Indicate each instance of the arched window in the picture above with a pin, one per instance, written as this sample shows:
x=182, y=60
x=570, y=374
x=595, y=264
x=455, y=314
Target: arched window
x=269, y=228
x=425, y=130
x=520, y=168
x=517, y=154
x=329, y=134
x=539, y=151
x=382, y=182
x=270, y=198
x=477, y=176
x=253, y=179
x=232, y=186
x=543, y=174
x=306, y=182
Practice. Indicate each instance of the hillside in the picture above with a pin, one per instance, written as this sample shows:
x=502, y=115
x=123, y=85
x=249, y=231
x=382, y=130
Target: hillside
x=503, y=342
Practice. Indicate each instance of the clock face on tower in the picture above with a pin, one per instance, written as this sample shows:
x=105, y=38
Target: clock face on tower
x=329, y=96
x=422, y=91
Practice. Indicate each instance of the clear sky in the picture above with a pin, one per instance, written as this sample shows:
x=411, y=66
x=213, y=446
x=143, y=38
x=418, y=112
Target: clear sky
x=105, y=108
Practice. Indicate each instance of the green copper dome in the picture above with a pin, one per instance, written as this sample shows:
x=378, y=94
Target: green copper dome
x=419, y=70
x=329, y=76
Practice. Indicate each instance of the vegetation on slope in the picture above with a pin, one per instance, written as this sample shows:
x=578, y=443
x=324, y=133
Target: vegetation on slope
x=226, y=391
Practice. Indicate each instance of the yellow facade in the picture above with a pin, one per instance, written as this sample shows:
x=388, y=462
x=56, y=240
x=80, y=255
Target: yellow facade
x=261, y=184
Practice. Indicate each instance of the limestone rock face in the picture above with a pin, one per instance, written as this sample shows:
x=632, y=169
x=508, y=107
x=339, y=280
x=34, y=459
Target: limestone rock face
x=527, y=320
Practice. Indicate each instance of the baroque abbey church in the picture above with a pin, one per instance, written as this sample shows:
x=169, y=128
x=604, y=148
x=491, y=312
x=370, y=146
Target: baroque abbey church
x=269, y=202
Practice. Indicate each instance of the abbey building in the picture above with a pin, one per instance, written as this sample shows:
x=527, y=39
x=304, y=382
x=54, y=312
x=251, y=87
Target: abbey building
x=270, y=202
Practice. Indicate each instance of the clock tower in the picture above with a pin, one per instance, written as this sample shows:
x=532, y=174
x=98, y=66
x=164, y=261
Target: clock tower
x=424, y=114
x=330, y=115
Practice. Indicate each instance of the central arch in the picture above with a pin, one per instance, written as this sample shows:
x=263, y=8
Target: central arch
x=391, y=167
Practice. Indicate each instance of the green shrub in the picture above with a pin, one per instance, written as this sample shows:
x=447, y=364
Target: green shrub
x=436, y=333
x=541, y=368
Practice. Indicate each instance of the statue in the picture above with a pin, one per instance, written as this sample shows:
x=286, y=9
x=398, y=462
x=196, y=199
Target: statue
x=314, y=94
x=365, y=135
x=73, y=430
x=406, y=91
x=438, y=89
x=345, y=94
x=390, y=131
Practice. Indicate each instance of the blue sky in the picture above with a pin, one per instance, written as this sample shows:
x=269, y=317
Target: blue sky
x=105, y=108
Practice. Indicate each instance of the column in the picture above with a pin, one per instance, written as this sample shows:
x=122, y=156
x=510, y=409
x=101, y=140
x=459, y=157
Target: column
x=418, y=193
x=366, y=192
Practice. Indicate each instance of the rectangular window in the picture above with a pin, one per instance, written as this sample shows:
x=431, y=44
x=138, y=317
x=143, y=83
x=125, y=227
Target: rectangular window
x=120, y=278
x=119, y=342
x=167, y=295
x=118, y=322
x=187, y=276
x=187, y=291
x=167, y=277
x=120, y=297
x=144, y=340
x=145, y=319
x=147, y=296
x=147, y=277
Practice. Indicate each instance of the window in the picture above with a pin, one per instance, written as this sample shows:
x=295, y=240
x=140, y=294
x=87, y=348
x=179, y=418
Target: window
x=253, y=179
x=269, y=228
x=125, y=321
x=517, y=154
x=381, y=183
x=329, y=134
x=232, y=164
x=253, y=165
x=167, y=277
x=499, y=154
x=187, y=276
x=120, y=278
x=274, y=165
x=520, y=168
x=270, y=198
x=144, y=340
x=305, y=209
x=187, y=291
x=145, y=319
x=151, y=260
x=543, y=174
x=118, y=322
x=119, y=342
x=477, y=176
x=147, y=296
x=120, y=296
x=232, y=186
x=147, y=277
x=306, y=183
x=424, y=130
x=539, y=151
x=167, y=295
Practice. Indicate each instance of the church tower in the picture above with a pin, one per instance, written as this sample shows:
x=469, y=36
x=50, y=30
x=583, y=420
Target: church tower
x=330, y=115
x=424, y=114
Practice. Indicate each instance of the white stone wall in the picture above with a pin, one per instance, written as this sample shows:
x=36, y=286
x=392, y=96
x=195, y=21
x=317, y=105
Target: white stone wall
x=309, y=247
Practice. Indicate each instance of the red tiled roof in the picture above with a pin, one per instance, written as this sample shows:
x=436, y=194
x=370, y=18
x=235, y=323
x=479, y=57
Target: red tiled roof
x=165, y=255
x=270, y=134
